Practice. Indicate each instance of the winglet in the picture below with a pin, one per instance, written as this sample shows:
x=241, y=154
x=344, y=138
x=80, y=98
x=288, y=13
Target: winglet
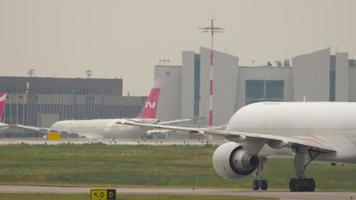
x=149, y=108
x=2, y=104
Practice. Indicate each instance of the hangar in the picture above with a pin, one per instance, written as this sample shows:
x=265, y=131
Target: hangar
x=41, y=101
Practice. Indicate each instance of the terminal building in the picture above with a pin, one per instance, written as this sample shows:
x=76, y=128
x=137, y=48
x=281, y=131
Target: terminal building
x=41, y=101
x=316, y=76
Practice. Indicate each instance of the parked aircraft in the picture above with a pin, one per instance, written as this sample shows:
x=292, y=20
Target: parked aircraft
x=324, y=131
x=111, y=128
x=3, y=96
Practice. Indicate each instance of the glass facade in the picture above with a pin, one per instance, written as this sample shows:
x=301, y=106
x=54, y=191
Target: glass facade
x=264, y=90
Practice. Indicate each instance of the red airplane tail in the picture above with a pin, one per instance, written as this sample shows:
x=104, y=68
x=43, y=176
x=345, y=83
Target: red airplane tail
x=149, y=108
x=2, y=104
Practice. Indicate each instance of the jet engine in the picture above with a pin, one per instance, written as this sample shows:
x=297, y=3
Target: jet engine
x=231, y=161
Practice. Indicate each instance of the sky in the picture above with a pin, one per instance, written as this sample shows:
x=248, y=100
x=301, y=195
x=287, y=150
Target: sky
x=126, y=38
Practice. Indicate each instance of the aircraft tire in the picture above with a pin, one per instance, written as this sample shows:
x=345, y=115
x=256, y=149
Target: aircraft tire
x=302, y=185
x=255, y=185
x=264, y=184
x=310, y=185
x=292, y=184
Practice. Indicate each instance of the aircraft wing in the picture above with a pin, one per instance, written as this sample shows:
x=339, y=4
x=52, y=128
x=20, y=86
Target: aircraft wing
x=3, y=126
x=179, y=120
x=32, y=128
x=174, y=121
x=157, y=131
x=159, y=126
x=273, y=140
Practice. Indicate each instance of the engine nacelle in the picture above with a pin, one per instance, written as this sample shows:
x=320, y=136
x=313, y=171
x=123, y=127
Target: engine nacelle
x=231, y=161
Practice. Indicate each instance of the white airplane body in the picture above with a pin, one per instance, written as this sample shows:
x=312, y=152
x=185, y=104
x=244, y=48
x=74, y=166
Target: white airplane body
x=102, y=128
x=112, y=128
x=329, y=123
x=323, y=131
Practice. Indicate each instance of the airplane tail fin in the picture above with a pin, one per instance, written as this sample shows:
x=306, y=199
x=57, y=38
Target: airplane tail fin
x=2, y=104
x=149, y=108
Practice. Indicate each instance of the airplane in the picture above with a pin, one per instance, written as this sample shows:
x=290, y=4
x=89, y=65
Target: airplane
x=322, y=131
x=3, y=96
x=110, y=128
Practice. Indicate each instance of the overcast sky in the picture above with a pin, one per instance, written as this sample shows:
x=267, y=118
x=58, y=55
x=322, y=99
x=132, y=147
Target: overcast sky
x=126, y=38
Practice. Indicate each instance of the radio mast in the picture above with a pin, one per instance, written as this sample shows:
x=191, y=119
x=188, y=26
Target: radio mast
x=211, y=29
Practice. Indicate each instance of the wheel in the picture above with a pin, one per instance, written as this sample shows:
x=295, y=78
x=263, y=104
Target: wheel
x=255, y=185
x=310, y=185
x=264, y=184
x=302, y=185
x=297, y=185
x=292, y=184
x=306, y=185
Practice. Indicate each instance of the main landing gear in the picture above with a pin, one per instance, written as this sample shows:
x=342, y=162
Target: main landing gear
x=259, y=182
x=301, y=183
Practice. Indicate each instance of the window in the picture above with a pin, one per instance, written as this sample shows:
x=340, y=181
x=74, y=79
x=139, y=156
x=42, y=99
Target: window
x=274, y=90
x=264, y=90
x=254, y=89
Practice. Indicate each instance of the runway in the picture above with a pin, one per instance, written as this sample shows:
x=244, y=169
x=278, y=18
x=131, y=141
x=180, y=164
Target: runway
x=40, y=141
x=186, y=191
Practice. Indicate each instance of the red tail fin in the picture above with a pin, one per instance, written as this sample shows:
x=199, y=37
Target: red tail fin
x=2, y=104
x=149, y=108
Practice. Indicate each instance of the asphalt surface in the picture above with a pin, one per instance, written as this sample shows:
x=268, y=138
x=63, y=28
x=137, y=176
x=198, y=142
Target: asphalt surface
x=40, y=141
x=186, y=191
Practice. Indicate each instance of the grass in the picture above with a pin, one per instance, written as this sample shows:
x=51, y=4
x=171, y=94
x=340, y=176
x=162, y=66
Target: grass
x=123, y=197
x=124, y=165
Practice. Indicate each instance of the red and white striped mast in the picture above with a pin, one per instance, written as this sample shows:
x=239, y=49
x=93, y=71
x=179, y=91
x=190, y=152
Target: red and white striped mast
x=212, y=29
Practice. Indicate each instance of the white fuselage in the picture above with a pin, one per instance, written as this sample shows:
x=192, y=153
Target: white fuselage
x=331, y=123
x=101, y=128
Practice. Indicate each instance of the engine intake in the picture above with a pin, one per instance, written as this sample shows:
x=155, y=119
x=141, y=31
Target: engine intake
x=242, y=162
x=231, y=161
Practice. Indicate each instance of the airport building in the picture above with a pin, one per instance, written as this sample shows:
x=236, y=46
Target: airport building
x=41, y=101
x=316, y=76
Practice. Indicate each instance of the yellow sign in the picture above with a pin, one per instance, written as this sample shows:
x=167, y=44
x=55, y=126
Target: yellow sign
x=53, y=135
x=102, y=194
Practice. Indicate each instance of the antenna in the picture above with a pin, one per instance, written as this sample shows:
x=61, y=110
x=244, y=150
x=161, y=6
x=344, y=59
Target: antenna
x=31, y=72
x=89, y=73
x=211, y=29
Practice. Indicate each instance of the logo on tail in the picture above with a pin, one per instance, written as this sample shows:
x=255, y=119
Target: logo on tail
x=2, y=104
x=150, y=104
x=149, y=108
